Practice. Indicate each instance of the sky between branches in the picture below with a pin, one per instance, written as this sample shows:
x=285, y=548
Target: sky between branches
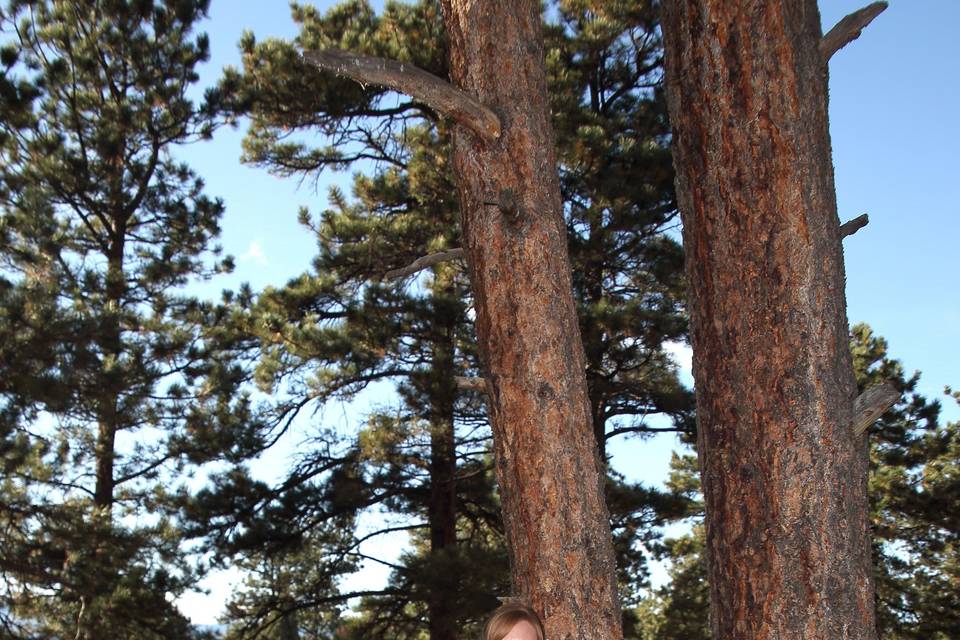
x=894, y=100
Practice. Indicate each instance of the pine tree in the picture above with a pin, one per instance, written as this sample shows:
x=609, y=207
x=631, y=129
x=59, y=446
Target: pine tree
x=333, y=332
x=913, y=486
x=371, y=329
x=108, y=385
x=299, y=584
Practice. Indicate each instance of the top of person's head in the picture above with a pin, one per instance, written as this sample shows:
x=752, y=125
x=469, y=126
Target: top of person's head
x=507, y=616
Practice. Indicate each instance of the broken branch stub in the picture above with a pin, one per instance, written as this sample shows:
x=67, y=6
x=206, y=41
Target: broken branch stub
x=849, y=29
x=406, y=78
x=850, y=227
x=871, y=404
x=423, y=262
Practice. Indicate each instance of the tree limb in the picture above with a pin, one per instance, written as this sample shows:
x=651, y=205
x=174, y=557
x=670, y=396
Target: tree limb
x=849, y=29
x=472, y=383
x=850, y=227
x=458, y=105
x=423, y=262
x=871, y=404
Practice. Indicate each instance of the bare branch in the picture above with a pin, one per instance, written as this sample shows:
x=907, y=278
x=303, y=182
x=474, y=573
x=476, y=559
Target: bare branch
x=471, y=383
x=439, y=94
x=850, y=227
x=871, y=404
x=423, y=262
x=849, y=29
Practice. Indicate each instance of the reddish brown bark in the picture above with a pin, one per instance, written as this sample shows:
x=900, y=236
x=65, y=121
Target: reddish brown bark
x=784, y=474
x=550, y=480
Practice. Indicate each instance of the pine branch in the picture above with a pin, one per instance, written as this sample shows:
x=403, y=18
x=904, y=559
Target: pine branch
x=640, y=429
x=440, y=95
x=423, y=262
x=849, y=29
x=871, y=404
x=850, y=227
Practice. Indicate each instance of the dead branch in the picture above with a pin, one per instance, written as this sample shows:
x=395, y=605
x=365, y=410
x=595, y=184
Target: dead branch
x=871, y=404
x=423, y=262
x=442, y=96
x=850, y=227
x=471, y=383
x=849, y=29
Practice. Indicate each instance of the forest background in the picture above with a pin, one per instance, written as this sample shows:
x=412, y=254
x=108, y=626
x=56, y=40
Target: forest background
x=894, y=98
x=893, y=104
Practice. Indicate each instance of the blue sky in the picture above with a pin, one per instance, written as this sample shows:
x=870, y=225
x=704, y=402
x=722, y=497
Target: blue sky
x=895, y=100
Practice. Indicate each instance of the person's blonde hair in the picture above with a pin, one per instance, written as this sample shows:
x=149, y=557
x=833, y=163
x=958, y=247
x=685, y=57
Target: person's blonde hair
x=504, y=617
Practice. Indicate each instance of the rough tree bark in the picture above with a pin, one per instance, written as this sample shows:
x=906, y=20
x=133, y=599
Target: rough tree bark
x=552, y=489
x=504, y=162
x=784, y=473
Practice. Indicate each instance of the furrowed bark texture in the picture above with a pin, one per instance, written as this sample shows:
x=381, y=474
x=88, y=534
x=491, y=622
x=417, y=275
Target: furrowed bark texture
x=552, y=489
x=784, y=474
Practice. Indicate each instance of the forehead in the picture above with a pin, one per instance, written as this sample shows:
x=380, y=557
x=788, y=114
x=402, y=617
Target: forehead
x=523, y=630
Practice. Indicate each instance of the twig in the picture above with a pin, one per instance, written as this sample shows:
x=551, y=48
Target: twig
x=83, y=608
x=850, y=227
x=849, y=29
x=871, y=404
x=413, y=81
x=423, y=262
x=471, y=383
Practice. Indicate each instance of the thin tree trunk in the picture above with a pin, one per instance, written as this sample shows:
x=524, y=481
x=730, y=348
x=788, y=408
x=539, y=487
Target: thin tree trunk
x=592, y=335
x=96, y=583
x=442, y=516
x=441, y=609
x=110, y=347
x=289, y=627
x=784, y=475
x=550, y=480
x=106, y=440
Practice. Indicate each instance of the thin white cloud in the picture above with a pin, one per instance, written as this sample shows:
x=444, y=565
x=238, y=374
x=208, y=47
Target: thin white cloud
x=254, y=254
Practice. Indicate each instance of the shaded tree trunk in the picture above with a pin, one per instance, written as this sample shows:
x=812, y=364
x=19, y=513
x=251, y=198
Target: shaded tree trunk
x=592, y=335
x=442, y=516
x=784, y=475
x=289, y=629
x=551, y=484
x=441, y=609
x=111, y=348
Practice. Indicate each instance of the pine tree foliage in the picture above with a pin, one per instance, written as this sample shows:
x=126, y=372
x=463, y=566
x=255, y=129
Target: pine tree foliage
x=680, y=608
x=341, y=329
x=335, y=332
x=913, y=493
x=914, y=487
x=299, y=583
x=605, y=66
x=108, y=384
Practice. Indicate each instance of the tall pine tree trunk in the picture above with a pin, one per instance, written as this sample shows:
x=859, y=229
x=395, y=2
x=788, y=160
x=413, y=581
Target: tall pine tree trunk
x=442, y=516
x=593, y=341
x=95, y=584
x=110, y=348
x=441, y=608
x=784, y=476
x=551, y=485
